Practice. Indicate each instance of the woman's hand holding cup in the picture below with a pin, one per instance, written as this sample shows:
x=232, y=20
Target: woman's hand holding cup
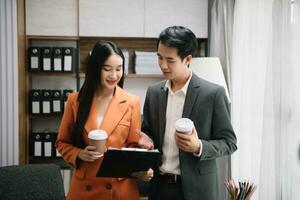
x=96, y=148
x=88, y=154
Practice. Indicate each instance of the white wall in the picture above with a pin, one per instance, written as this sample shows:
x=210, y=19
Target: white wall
x=114, y=18
x=52, y=17
x=160, y=14
x=111, y=18
x=138, y=86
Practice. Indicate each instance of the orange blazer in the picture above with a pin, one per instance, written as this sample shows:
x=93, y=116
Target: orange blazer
x=120, y=121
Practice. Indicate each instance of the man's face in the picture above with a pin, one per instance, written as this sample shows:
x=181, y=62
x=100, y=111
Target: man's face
x=172, y=66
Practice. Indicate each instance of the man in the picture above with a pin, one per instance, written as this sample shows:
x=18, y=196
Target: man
x=188, y=166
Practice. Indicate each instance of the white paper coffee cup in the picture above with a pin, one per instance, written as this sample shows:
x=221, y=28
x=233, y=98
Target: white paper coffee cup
x=98, y=139
x=184, y=125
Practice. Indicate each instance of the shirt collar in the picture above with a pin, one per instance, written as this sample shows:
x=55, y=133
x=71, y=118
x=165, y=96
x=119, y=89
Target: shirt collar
x=183, y=89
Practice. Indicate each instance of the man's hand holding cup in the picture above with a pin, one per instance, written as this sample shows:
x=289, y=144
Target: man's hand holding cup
x=186, y=136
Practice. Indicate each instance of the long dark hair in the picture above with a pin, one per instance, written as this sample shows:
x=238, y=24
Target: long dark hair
x=92, y=82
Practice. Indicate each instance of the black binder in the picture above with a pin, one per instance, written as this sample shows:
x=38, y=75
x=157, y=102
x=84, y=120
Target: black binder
x=46, y=101
x=34, y=56
x=46, y=58
x=57, y=59
x=56, y=99
x=35, y=101
x=47, y=144
x=37, y=149
x=68, y=59
x=123, y=162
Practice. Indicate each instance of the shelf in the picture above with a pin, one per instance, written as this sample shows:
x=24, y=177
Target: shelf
x=50, y=115
x=50, y=80
x=59, y=161
x=40, y=37
x=145, y=76
x=82, y=75
x=73, y=74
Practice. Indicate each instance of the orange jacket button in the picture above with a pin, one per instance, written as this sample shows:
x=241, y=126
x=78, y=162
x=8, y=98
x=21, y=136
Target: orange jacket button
x=108, y=186
x=89, y=187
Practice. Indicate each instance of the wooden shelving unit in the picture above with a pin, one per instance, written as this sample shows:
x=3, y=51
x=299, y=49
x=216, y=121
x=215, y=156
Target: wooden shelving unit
x=86, y=44
x=27, y=118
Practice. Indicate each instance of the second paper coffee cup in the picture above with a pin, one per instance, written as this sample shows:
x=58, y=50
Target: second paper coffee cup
x=98, y=138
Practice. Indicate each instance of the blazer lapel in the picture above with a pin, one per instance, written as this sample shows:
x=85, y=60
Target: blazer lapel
x=162, y=107
x=116, y=109
x=191, y=96
x=112, y=116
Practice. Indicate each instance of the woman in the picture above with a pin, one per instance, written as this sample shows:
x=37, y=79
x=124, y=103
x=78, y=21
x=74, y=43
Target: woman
x=100, y=104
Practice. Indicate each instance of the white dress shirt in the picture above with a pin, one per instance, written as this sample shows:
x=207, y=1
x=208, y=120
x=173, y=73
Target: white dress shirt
x=170, y=157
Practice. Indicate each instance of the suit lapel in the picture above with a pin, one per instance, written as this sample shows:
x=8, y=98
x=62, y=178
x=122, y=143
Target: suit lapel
x=162, y=107
x=112, y=116
x=191, y=96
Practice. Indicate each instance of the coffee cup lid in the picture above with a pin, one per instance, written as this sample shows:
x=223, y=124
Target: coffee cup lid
x=184, y=125
x=97, y=135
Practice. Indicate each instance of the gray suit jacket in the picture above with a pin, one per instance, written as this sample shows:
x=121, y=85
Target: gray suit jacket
x=207, y=106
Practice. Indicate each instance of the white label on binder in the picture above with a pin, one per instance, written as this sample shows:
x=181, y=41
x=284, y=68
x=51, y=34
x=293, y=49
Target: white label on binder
x=37, y=148
x=65, y=103
x=56, y=106
x=47, y=149
x=58, y=154
x=57, y=64
x=68, y=63
x=46, y=106
x=46, y=64
x=34, y=62
x=35, y=107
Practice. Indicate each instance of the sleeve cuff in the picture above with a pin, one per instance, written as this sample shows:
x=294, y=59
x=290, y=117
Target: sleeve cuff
x=200, y=152
x=75, y=160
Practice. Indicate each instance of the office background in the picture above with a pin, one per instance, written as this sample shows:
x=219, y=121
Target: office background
x=257, y=42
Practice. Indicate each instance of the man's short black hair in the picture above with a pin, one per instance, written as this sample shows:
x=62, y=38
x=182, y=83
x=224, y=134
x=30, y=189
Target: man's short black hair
x=181, y=38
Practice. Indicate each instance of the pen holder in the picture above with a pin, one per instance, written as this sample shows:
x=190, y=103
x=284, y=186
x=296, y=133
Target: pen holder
x=243, y=191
